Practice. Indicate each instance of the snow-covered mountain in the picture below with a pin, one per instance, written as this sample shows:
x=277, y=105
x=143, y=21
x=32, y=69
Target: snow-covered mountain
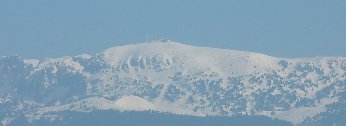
x=175, y=78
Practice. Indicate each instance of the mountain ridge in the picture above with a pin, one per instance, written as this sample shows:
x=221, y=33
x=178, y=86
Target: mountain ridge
x=176, y=78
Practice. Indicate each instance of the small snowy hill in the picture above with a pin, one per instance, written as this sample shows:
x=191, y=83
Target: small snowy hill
x=134, y=103
x=176, y=78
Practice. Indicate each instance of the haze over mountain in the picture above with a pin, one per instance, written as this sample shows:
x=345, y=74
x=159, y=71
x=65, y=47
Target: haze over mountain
x=166, y=76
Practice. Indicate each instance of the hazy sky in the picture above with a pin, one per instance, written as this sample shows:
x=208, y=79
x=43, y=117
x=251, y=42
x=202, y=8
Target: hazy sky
x=283, y=28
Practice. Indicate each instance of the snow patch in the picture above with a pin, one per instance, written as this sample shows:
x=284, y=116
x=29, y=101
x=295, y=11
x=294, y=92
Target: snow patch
x=6, y=121
x=298, y=115
x=134, y=103
x=84, y=56
x=33, y=62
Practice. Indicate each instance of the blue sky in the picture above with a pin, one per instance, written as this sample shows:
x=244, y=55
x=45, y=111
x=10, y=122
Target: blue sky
x=282, y=28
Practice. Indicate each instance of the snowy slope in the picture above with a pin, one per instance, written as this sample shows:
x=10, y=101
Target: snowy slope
x=176, y=78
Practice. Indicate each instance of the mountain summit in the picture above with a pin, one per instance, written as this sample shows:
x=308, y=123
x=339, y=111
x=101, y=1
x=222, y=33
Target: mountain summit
x=175, y=78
